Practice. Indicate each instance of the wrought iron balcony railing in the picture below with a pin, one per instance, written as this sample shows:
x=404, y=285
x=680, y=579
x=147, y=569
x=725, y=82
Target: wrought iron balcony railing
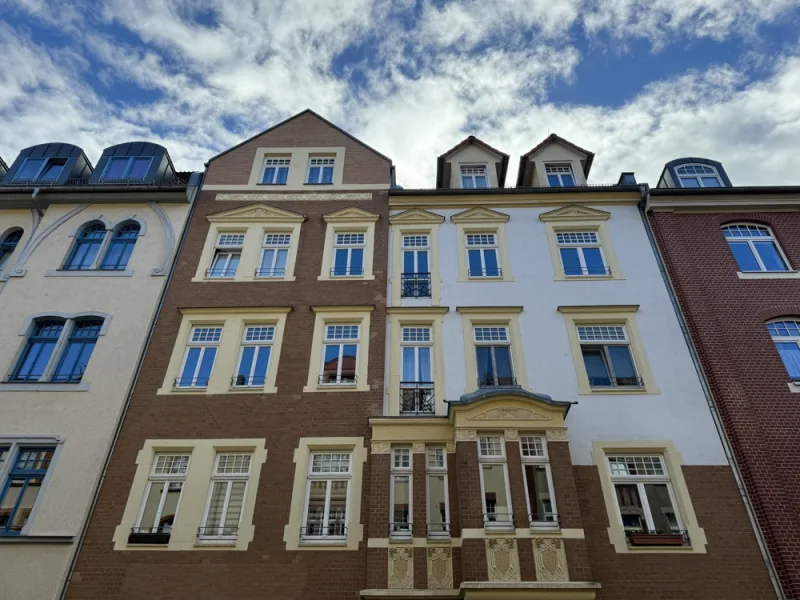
x=270, y=272
x=586, y=271
x=74, y=182
x=248, y=381
x=347, y=271
x=191, y=382
x=492, y=381
x=487, y=273
x=550, y=521
x=401, y=529
x=416, y=397
x=498, y=520
x=415, y=285
x=340, y=379
x=616, y=382
x=337, y=530
x=218, y=532
x=221, y=273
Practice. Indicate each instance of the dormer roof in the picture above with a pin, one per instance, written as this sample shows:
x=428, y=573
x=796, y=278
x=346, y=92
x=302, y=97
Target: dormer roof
x=3, y=167
x=526, y=166
x=134, y=161
x=443, y=166
x=670, y=178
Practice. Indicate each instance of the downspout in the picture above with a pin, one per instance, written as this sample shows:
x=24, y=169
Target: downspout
x=131, y=386
x=726, y=445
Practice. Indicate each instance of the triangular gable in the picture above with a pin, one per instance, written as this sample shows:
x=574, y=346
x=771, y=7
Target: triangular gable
x=416, y=216
x=351, y=214
x=442, y=167
x=479, y=215
x=575, y=212
x=256, y=212
x=524, y=172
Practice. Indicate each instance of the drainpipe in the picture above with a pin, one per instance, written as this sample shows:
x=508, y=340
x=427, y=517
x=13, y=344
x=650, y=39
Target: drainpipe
x=726, y=444
x=131, y=386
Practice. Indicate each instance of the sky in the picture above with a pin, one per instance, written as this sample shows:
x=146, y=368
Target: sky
x=638, y=82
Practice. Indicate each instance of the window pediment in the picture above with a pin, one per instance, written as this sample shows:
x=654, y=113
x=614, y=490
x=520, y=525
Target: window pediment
x=575, y=212
x=351, y=214
x=416, y=216
x=256, y=212
x=480, y=215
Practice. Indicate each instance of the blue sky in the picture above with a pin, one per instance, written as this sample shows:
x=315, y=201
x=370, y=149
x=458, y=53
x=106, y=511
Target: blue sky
x=639, y=82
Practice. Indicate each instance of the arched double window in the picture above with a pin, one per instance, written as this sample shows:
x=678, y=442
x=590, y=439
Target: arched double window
x=120, y=248
x=755, y=248
x=8, y=245
x=786, y=335
x=93, y=241
x=697, y=175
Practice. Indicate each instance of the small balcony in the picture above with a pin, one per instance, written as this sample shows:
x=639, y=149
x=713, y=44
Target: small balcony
x=491, y=381
x=646, y=538
x=416, y=398
x=335, y=532
x=415, y=285
x=550, y=521
x=150, y=535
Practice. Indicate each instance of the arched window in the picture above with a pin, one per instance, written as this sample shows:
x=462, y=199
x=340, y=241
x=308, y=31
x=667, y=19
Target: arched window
x=696, y=175
x=786, y=335
x=755, y=248
x=38, y=350
x=76, y=355
x=120, y=248
x=8, y=245
x=87, y=245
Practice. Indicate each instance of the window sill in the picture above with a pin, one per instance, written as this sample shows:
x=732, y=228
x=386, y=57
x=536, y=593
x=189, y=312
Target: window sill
x=499, y=528
x=205, y=542
x=545, y=527
x=345, y=277
x=88, y=273
x=36, y=539
x=794, y=387
x=620, y=391
x=587, y=278
x=330, y=184
x=503, y=279
x=768, y=274
x=334, y=542
x=243, y=389
x=44, y=386
x=272, y=184
x=336, y=388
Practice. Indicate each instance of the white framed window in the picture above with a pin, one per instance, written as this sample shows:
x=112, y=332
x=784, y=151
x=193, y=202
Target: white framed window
x=254, y=356
x=340, y=355
x=161, y=499
x=227, y=254
x=482, y=255
x=401, y=517
x=436, y=493
x=474, y=176
x=276, y=171
x=607, y=356
x=274, y=254
x=581, y=253
x=320, y=170
x=348, y=255
x=493, y=356
x=538, y=480
x=327, y=496
x=495, y=489
x=416, y=384
x=755, y=248
x=416, y=275
x=226, y=494
x=786, y=335
x=696, y=176
x=198, y=361
x=559, y=175
x=643, y=494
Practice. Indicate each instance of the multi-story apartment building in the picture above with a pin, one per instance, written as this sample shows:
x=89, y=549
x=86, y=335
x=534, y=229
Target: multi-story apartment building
x=84, y=253
x=733, y=254
x=241, y=468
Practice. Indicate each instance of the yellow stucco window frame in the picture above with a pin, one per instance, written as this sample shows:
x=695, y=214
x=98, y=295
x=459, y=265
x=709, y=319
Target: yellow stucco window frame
x=673, y=462
x=432, y=317
x=302, y=456
x=349, y=220
x=580, y=218
x=327, y=315
x=476, y=316
x=608, y=315
x=233, y=323
x=254, y=221
x=482, y=220
x=192, y=503
x=415, y=222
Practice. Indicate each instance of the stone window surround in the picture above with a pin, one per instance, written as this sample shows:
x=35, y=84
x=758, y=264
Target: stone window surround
x=482, y=220
x=411, y=222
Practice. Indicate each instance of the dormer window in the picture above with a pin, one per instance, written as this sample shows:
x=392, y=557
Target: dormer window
x=559, y=175
x=474, y=176
x=40, y=169
x=698, y=176
x=127, y=167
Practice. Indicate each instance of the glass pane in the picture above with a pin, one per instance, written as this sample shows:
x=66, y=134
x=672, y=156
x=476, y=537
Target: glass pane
x=340, y=262
x=35, y=361
x=215, y=506
x=400, y=504
x=437, y=503
x=267, y=259
x=245, y=364
x=408, y=262
x=116, y=167
x=710, y=182
x=571, y=262
x=425, y=364
x=567, y=180
x=139, y=168
x=664, y=518
x=770, y=256
x=280, y=262
x=26, y=504
x=466, y=182
x=218, y=265
x=69, y=364
x=689, y=182
x=269, y=175
x=490, y=258
x=594, y=261
x=480, y=181
x=29, y=169
x=330, y=367
x=622, y=365
x=475, y=266
x=235, y=504
x=51, y=171
x=485, y=368
x=744, y=256
x=596, y=368
x=233, y=264
x=494, y=492
x=151, y=504
x=315, y=513
x=283, y=174
x=409, y=365
x=539, y=493
x=8, y=503
x=313, y=175
x=262, y=363
x=505, y=373
x=337, y=512
x=630, y=507
x=206, y=365
x=349, y=362
x=114, y=254
x=189, y=366
x=327, y=175
x=422, y=261
x=356, y=261
x=790, y=355
x=170, y=506
x=553, y=181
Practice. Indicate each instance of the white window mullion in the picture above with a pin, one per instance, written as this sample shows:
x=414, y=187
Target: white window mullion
x=648, y=516
x=327, y=509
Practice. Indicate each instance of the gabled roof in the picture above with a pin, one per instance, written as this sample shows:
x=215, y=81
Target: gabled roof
x=3, y=165
x=300, y=114
x=443, y=173
x=553, y=138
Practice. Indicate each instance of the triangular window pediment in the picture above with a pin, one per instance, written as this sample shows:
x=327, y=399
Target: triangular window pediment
x=256, y=212
x=479, y=215
x=575, y=212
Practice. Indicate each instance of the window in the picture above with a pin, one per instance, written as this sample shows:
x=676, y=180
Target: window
x=416, y=386
x=21, y=489
x=198, y=362
x=161, y=500
x=8, y=245
x=40, y=169
x=482, y=255
x=496, y=496
x=401, y=523
x=327, y=496
x=538, y=481
x=493, y=356
x=348, y=254
x=559, y=175
x=644, y=496
x=416, y=276
x=226, y=497
x=81, y=343
x=274, y=253
x=474, y=176
x=127, y=167
x=340, y=357
x=38, y=350
x=320, y=170
x=695, y=176
x=254, y=356
x=754, y=247
x=276, y=171
x=227, y=253
x=607, y=356
x=438, y=505
x=120, y=248
x=786, y=335
x=581, y=253
x=87, y=246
